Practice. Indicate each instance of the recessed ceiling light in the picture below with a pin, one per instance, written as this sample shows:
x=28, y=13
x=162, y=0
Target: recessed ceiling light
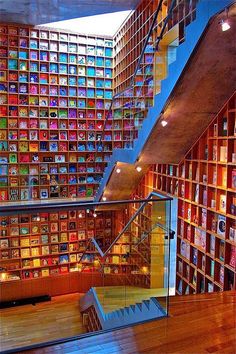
x=104, y=199
x=138, y=168
x=80, y=215
x=225, y=25
x=94, y=215
x=118, y=170
x=164, y=123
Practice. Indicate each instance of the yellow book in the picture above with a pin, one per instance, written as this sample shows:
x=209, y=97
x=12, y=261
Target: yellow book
x=116, y=249
x=36, y=262
x=115, y=259
x=25, y=252
x=24, y=242
x=45, y=272
x=73, y=258
x=34, y=251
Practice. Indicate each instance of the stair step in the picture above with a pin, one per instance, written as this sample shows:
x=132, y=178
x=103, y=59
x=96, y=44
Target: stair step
x=133, y=307
x=139, y=305
x=146, y=303
x=127, y=309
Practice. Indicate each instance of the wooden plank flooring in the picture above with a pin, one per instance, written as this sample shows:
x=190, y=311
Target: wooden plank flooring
x=28, y=324
x=197, y=324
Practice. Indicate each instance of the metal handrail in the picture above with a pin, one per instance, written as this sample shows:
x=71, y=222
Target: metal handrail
x=10, y=208
x=165, y=21
x=147, y=200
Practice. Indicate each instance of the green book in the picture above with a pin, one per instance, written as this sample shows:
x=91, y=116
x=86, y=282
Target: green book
x=3, y=123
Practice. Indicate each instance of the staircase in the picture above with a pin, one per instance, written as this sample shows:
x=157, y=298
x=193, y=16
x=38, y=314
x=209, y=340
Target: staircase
x=147, y=309
x=152, y=144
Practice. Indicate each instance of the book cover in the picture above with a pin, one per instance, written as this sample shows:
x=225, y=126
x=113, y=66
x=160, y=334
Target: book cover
x=45, y=250
x=45, y=272
x=4, y=243
x=81, y=235
x=204, y=218
x=233, y=178
x=54, y=249
x=212, y=268
x=221, y=275
x=223, y=153
x=222, y=250
x=212, y=245
x=35, y=251
x=222, y=203
x=44, y=239
x=232, y=256
x=232, y=233
x=194, y=256
x=221, y=225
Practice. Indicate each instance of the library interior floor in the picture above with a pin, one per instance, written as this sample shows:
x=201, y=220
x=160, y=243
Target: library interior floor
x=197, y=324
x=118, y=178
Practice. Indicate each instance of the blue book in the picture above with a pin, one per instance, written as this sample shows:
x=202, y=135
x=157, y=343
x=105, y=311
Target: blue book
x=90, y=71
x=63, y=57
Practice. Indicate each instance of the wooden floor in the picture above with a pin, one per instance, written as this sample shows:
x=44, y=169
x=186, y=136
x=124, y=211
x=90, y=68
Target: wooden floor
x=25, y=325
x=197, y=324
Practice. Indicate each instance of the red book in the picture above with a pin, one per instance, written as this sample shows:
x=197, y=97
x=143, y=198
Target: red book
x=232, y=257
x=234, y=179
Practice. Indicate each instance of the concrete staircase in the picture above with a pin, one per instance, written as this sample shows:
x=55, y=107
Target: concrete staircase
x=147, y=309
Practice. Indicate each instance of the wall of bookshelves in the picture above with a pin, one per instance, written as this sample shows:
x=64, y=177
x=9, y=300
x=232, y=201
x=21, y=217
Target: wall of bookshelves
x=55, y=90
x=128, y=43
x=205, y=185
x=45, y=252
x=43, y=244
x=130, y=38
x=49, y=246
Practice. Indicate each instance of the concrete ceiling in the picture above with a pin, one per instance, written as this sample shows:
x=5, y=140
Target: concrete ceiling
x=36, y=12
x=120, y=185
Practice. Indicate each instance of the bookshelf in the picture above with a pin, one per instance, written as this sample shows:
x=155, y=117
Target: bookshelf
x=130, y=38
x=41, y=253
x=130, y=107
x=49, y=244
x=55, y=90
x=91, y=320
x=204, y=184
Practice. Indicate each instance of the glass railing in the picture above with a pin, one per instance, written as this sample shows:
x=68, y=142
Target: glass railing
x=133, y=264
x=129, y=108
x=113, y=255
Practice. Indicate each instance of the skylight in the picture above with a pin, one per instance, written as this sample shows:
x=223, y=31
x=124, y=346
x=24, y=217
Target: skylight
x=106, y=24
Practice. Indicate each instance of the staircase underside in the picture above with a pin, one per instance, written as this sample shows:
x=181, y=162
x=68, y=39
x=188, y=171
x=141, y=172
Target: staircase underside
x=120, y=185
x=207, y=82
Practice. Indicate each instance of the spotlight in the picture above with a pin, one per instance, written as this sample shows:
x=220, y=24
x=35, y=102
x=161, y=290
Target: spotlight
x=144, y=270
x=80, y=215
x=87, y=211
x=94, y=215
x=104, y=199
x=118, y=170
x=3, y=276
x=164, y=123
x=138, y=169
x=225, y=25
